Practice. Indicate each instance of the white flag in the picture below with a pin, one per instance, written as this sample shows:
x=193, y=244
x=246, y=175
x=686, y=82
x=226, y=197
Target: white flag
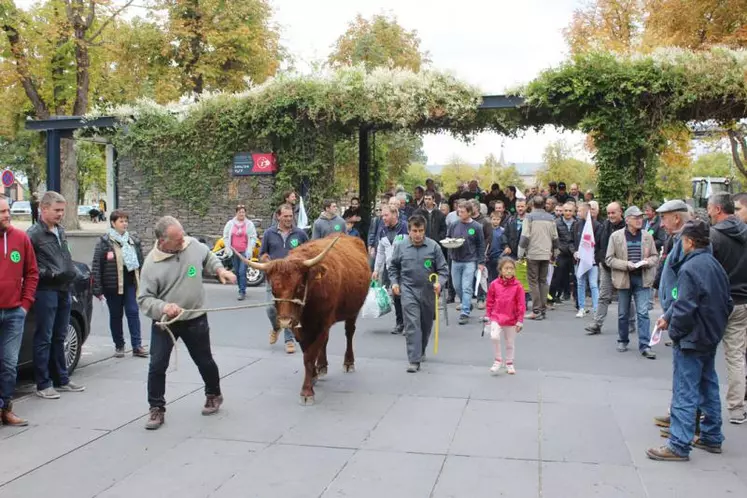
x=303, y=219
x=586, y=247
x=709, y=188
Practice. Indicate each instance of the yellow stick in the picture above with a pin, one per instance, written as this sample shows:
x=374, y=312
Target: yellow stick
x=434, y=278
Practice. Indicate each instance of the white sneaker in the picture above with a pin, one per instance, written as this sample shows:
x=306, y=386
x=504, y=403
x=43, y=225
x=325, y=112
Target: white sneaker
x=48, y=393
x=510, y=369
x=581, y=314
x=496, y=368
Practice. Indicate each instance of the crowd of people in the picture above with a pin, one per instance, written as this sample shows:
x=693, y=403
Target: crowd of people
x=696, y=260
x=524, y=253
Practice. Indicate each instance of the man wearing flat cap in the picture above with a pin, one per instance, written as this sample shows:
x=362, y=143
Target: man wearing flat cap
x=632, y=257
x=696, y=322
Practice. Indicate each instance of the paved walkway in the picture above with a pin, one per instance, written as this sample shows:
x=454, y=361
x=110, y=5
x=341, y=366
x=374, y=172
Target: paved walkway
x=574, y=422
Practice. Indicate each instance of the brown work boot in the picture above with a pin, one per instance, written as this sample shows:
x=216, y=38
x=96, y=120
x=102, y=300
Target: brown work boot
x=140, y=352
x=665, y=454
x=274, y=336
x=156, y=418
x=212, y=404
x=290, y=348
x=10, y=418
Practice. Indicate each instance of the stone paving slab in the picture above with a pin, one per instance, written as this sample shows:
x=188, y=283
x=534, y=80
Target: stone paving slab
x=574, y=422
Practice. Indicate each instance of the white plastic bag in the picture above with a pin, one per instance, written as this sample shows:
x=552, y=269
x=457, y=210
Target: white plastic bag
x=655, y=336
x=550, y=271
x=481, y=280
x=377, y=302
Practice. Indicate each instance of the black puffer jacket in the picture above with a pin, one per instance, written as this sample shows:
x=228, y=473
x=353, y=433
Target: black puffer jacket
x=105, y=267
x=565, y=237
x=56, y=268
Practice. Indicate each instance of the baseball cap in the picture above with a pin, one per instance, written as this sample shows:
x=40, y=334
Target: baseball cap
x=633, y=211
x=561, y=185
x=672, y=206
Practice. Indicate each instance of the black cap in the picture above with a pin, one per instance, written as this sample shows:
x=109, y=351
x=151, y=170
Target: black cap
x=696, y=230
x=561, y=185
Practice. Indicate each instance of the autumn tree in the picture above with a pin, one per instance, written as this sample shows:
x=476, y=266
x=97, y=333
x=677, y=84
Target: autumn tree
x=378, y=42
x=219, y=45
x=492, y=171
x=561, y=166
x=606, y=25
x=695, y=24
x=455, y=172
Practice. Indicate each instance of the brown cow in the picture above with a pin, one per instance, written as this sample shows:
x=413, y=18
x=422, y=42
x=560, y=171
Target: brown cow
x=315, y=287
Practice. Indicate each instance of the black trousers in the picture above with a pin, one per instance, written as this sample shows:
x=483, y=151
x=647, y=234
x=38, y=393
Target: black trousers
x=561, y=277
x=196, y=336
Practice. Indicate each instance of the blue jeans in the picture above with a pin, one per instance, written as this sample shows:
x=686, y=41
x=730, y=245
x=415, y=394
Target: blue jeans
x=272, y=314
x=239, y=267
x=125, y=304
x=695, y=384
x=11, y=332
x=463, y=275
x=52, y=315
x=592, y=277
x=641, y=295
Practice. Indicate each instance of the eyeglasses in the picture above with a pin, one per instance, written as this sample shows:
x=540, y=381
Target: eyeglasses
x=240, y=206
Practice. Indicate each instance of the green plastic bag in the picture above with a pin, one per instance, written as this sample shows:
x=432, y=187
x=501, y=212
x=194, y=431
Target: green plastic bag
x=377, y=302
x=521, y=274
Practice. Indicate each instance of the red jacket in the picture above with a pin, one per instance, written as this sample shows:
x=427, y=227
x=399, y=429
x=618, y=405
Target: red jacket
x=505, y=304
x=19, y=275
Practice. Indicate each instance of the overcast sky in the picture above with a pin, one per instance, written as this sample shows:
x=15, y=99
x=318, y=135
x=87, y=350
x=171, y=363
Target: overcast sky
x=493, y=44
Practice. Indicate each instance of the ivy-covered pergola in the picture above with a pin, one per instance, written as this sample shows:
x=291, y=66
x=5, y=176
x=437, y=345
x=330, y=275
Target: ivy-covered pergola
x=624, y=102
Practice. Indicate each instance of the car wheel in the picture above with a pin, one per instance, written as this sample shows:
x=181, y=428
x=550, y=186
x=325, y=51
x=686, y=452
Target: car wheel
x=73, y=345
x=254, y=277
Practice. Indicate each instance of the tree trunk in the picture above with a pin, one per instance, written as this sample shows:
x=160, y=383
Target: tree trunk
x=69, y=183
x=737, y=138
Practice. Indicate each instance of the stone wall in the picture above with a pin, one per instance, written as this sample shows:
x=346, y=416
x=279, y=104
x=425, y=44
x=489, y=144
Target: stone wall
x=135, y=198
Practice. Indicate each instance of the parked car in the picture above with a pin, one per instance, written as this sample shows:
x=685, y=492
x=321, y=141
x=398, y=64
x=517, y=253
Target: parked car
x=21, y=207
x=78, y=328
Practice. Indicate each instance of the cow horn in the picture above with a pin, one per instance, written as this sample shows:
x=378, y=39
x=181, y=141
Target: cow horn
x=253, y=264
x=316, y=260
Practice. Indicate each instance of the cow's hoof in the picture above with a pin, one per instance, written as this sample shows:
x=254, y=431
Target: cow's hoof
x=321, y=372
x=306, y=400
x=348, y=368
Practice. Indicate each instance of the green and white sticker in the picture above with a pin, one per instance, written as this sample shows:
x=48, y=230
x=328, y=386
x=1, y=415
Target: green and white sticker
x=337, y=228
x=294, y=242
x=399, y=237
x=471, y=231
x=674, y=293
x=192, y=271
x=428, y=263
x=15, y=257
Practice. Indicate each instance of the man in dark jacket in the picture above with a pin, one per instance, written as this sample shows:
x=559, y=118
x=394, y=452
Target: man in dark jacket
x=696, y=324
x=53, y=299
x=560, y=285
x=435, y=221
x=514, y=225
x=613, y=223
x=652, y=224
x=729, y=242
x=277, y=242
x=487, y=233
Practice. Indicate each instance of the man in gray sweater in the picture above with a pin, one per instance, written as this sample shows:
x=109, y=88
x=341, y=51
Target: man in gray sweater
x=170, y=283
x=328, y=222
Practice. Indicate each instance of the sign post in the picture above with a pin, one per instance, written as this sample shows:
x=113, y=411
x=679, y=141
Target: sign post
x=8, y=178
x=254, y=163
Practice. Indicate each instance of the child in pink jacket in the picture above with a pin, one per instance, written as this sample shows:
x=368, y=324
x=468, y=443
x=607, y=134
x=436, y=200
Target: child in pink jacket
x=505, y=308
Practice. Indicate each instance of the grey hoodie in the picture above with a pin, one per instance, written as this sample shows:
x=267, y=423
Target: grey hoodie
x=176, y=278
x=324, y=226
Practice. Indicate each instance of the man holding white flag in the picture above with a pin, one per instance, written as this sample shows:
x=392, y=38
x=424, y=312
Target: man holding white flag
x=586, y=267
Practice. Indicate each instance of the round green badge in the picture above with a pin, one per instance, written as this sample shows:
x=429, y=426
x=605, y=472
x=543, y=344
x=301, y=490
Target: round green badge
x=294, y=242
x=428, y=263
x=192, y=271
x=15, y=256
x=651, y=231
x=471, y=231
x=399, y=237
x=674, y=293
x=337, y=228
